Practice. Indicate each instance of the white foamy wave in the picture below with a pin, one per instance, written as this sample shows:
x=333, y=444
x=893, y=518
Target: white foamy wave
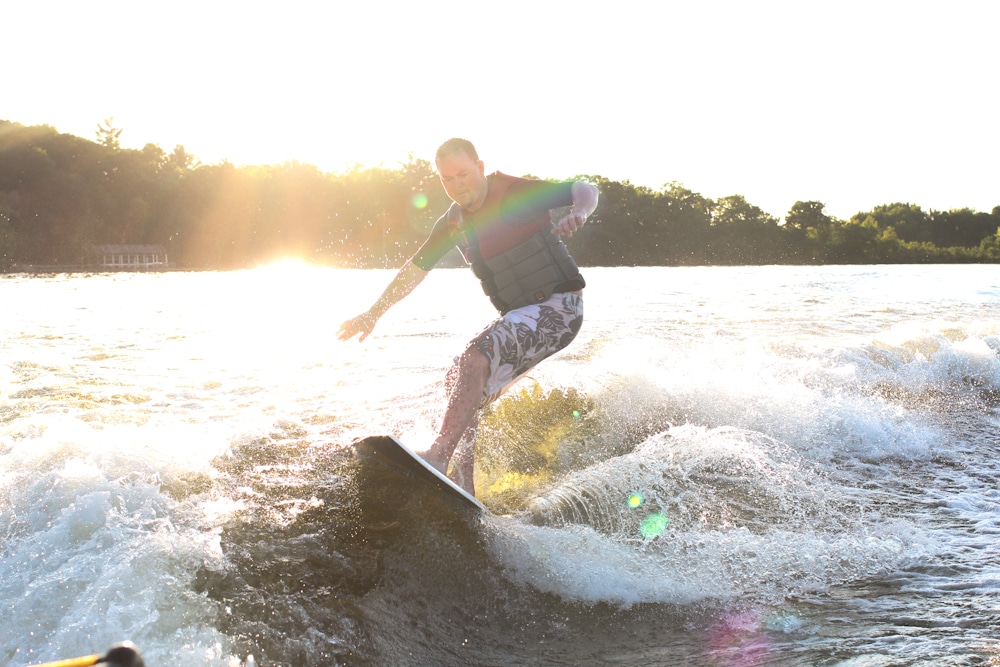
x=578, y=563
x=95, y=551
x=738, y=515
x=815, y=404
x=919, y=363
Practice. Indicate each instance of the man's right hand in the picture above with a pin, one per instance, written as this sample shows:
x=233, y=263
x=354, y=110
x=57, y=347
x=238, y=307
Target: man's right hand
x=406, y=279
x=362, y=324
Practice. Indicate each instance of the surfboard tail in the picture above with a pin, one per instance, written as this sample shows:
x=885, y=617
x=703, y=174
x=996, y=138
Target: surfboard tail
x=395, y=457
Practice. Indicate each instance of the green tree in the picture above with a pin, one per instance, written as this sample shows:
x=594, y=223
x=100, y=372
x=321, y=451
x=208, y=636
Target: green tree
x=8, y=236
x=809, y=231
x=854, y=242
x=181, y=159
x=909, y=221
x=688, y=217
x=961, y=227
x=108, y=135
x=744, y=233
x=805, y=215
x=989, y=248
x=60, y=194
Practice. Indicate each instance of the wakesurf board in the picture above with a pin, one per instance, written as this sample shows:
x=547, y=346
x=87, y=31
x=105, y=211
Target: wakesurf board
x=391, y=453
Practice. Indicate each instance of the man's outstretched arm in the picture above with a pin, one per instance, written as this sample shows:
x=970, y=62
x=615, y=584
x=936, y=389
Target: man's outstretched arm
x=405, y=281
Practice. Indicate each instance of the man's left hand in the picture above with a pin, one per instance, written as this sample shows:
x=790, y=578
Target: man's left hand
x=570, y=223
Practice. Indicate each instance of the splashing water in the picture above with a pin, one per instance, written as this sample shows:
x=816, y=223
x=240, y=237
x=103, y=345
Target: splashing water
x=774, y=465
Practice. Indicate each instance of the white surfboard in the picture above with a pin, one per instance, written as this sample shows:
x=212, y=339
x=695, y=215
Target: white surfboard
x=390, y=452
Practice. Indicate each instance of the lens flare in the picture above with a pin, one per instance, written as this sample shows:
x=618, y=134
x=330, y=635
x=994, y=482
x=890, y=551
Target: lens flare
x=653, y=525
x=419, y=200
x=576, y=414
x=635, y=500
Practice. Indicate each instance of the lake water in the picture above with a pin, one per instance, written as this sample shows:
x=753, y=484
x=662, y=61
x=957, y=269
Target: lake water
x=729, y=467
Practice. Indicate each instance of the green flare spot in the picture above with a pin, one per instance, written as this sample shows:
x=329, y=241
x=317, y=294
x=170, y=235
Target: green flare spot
x=635, y=500
x=419, y=200
x=576, y=414
x=653, y=525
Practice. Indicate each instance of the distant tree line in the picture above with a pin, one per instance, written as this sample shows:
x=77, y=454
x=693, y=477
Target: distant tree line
x=61, y=195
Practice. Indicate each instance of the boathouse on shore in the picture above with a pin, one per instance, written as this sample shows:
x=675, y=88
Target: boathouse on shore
x=131, y=257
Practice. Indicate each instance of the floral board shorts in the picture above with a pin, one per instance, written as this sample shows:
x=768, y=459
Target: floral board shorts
x=517, y=341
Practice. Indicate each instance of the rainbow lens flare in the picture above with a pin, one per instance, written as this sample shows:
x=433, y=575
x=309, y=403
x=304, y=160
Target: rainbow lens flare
x=653, y=525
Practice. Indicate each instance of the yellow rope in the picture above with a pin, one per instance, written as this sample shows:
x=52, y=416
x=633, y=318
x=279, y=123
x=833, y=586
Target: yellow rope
x=85, y=661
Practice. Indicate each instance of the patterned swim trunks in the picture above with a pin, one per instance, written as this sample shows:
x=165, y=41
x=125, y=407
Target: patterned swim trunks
x=516, y=342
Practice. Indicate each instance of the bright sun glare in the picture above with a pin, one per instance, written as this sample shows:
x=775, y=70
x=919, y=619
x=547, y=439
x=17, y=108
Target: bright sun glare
x=289, y=266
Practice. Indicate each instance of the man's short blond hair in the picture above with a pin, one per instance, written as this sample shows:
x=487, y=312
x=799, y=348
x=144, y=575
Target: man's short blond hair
x=456, y=145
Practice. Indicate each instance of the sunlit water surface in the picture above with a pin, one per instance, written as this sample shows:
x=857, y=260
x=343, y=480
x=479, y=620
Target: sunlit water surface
x=730, y=466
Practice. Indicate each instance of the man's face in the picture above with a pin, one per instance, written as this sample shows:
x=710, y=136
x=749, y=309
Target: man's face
x=463, y=179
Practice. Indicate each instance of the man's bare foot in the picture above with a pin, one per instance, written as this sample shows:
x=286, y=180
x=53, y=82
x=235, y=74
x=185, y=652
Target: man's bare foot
x=458, y=473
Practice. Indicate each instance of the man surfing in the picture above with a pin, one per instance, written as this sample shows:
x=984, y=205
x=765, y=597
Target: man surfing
x=504, y=228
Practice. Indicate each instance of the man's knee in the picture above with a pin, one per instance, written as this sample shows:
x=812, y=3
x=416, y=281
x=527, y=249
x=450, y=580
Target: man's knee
x=474, y=364
x=470, y=364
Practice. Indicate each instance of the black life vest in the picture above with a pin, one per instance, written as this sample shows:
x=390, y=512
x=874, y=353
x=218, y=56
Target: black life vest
x=517, y=264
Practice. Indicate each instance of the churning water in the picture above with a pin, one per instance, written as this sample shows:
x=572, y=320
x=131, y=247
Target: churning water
x=730, y=466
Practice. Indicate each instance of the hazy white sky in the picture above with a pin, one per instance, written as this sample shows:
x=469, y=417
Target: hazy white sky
x=852, y=103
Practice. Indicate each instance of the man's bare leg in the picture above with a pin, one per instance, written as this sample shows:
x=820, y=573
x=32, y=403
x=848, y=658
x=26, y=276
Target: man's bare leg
x=463, y=407
x=463, y=461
